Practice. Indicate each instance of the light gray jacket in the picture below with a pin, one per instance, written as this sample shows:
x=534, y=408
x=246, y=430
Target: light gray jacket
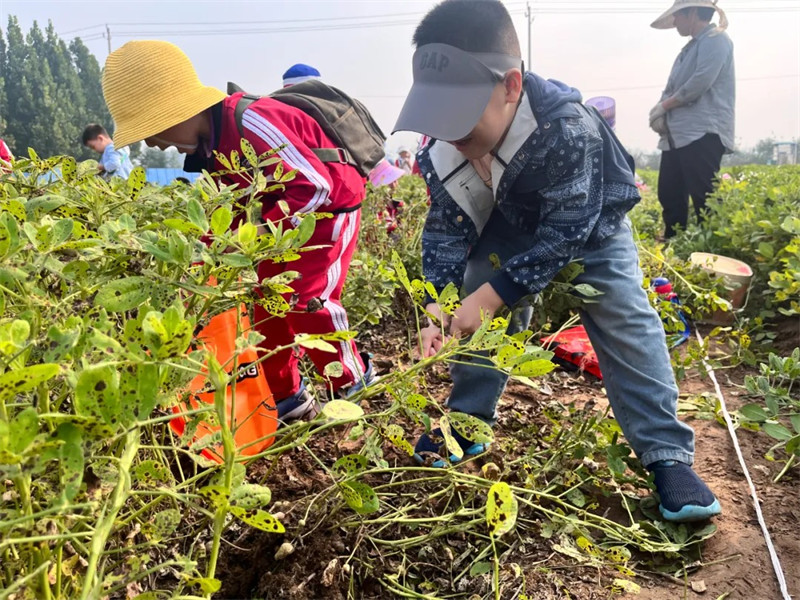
x=703, y=79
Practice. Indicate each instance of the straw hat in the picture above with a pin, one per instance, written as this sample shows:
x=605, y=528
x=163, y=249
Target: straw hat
x=667, y=20
x=150, y=86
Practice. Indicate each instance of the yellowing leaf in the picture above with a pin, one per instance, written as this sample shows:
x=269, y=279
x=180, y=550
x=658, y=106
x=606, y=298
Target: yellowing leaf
x=501, y=509
x=260, y=519
x=340, y=410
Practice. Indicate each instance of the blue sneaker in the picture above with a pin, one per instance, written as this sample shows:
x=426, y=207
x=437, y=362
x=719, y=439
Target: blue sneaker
x=300, y=405
x=366, y=381
x=684, y=497
x=432, y=444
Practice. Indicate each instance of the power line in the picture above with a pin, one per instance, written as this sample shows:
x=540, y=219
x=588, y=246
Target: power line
x=562, y=7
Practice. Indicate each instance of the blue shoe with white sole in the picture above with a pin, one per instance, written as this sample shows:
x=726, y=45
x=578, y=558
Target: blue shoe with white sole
x=684, y=496
x=432, y=444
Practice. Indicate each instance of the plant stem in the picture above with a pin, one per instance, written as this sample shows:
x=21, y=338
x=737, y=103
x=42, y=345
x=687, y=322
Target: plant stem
x=109, y=514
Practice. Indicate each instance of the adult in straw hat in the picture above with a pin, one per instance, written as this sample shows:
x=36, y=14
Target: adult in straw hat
x=695, y=115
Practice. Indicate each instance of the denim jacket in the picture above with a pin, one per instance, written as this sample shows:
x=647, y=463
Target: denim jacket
x=567, y=179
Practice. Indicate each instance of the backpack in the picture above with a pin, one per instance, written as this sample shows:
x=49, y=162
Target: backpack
x=344, y=120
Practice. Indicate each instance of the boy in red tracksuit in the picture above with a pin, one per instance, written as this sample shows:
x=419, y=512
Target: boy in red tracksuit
x=198, y=120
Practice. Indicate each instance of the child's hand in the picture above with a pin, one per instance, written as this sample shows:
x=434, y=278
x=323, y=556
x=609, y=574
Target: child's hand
x=467, y=318
x=431, y=340
x=431, y=337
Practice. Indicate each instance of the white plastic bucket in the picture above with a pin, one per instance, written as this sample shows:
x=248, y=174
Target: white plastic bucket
x=737, y=275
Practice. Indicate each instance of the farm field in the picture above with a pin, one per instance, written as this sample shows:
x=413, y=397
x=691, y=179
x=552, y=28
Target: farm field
x=105, y=286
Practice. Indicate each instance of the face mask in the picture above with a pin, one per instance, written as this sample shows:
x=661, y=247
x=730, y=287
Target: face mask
x=187, y=148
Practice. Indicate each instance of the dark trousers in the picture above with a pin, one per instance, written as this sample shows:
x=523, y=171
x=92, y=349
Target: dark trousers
x=688, y=171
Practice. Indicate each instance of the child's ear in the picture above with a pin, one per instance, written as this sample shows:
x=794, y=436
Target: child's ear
x=513, y=85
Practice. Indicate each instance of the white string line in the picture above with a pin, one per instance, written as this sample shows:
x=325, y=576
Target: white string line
x=776, y=563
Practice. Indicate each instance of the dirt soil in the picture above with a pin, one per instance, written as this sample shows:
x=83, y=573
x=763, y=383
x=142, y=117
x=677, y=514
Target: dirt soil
x=734, y=563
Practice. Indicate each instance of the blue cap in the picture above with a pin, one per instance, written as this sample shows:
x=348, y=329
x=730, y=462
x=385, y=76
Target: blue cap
x=299, y=73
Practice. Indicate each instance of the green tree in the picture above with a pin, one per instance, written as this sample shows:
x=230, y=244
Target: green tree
x=49, y=91
x=3, y=100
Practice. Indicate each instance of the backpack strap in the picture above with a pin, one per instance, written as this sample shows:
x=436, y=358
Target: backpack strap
x=326, y=155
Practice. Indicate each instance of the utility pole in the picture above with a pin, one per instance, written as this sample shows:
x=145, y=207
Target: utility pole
x=108, y=37
x=529, y=19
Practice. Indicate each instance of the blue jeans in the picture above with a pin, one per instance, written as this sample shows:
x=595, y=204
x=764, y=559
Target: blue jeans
x=626, y=334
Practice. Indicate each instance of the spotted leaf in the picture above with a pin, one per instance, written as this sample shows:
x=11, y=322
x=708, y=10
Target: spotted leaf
x=136, y=182
x=26, y=379
x=352, y=464
x=471, y=428
x=533, y=368
x=122, y=295
x=395, y=434
x=501, y=509
x=259, y=519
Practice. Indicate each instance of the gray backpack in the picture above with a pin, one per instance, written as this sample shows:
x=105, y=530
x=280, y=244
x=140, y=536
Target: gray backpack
x=344, y=120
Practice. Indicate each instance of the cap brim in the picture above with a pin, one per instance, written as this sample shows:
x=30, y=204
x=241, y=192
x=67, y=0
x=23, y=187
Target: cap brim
x=444, y=111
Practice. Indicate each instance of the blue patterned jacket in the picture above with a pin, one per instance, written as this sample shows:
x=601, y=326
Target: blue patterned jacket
x=563, y=175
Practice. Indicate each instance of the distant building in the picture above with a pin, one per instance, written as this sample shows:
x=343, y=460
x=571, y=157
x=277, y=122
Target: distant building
x=784, y=153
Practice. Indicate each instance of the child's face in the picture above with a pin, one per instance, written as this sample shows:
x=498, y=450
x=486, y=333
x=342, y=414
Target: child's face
x=185, y=137
x=99, y=143
x=488, y=134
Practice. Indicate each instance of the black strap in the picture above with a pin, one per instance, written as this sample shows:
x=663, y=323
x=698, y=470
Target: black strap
x=326, y=155
x=340, y=211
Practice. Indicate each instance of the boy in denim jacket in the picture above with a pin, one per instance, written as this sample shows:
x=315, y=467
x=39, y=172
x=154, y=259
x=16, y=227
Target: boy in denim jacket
x=519, y=168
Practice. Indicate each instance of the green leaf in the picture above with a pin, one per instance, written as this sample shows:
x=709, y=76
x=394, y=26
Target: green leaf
x=165, y=522
x=26, y=379
x=150, y=472
x=471, y=428
x=453, y=447
x=350, y=465
x=501, y=509
x=207, y=585
x=396, y=435
x=368, y=503
x=251, y=495
x=197, y=215
x=342, y=410
x=753, y=412
x=313, y=342
x=136, y=182
x=122, y=295
x=766, y=250
x=70, y=459
x=480, y=568
x=24, y=428
x=533, y=368
x=235, y=260
x=576, y=497
x=97, y=394
x=584, y=289
x=221, y=219
x=777, y=431
x=259, y=519
x=305, y=230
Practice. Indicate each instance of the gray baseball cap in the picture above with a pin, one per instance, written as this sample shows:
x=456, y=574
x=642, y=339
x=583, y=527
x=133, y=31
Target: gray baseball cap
x=451, y=90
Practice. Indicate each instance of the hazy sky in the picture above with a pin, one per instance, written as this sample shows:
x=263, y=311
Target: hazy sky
x=602, y=47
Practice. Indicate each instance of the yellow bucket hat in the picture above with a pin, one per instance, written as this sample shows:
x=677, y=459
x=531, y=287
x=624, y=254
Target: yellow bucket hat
x=150, y=86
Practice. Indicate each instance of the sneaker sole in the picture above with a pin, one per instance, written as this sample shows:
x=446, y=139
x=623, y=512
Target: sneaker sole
x=691, y=513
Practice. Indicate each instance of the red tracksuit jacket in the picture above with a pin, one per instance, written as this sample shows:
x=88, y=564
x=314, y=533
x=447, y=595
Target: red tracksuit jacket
x=317, y=187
